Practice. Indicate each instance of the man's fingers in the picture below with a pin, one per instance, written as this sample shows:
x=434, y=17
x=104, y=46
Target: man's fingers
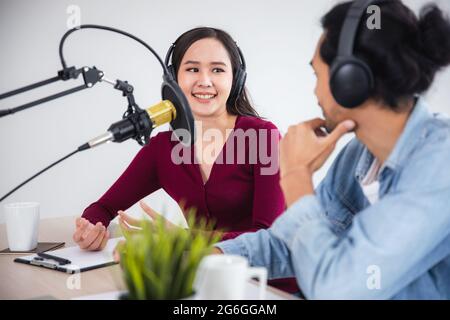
x=315, y=123
x=319, y=132
x=341, y=129
x=325, y=154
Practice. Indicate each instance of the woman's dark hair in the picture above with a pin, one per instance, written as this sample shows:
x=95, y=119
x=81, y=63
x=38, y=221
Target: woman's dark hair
x=242, y=105
x=404, y=54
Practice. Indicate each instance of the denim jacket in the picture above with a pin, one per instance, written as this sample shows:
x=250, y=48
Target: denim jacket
x=338, y=246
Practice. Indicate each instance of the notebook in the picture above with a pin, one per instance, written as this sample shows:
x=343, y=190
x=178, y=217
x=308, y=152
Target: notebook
x=81, y=260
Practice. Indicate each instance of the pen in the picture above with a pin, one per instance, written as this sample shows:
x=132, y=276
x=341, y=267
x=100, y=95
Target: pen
x=60, y=260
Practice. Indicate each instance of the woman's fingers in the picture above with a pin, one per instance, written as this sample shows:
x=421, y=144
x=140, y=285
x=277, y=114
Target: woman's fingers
x=95, y=245
x=149, y=211
x=155, y=215
x=116, y=254
x=104, y=241
x=81, y=228
x=130, y=220
x=90, y=237
x=87, y=230
x=125, y=227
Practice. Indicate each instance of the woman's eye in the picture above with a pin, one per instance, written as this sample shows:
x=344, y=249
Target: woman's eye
x=216, y=70
x=192, y=70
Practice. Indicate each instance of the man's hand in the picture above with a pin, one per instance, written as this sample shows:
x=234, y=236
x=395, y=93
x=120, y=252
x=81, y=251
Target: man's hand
x=303, y=150
x=305, y=146
x=216, y=250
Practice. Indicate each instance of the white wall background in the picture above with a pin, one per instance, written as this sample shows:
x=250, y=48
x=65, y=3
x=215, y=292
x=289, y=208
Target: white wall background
x=277, y=37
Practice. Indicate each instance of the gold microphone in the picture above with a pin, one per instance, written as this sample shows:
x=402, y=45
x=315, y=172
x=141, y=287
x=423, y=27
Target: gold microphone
x=161, y=113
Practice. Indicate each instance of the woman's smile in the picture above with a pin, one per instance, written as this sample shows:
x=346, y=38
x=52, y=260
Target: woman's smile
x=204, y=97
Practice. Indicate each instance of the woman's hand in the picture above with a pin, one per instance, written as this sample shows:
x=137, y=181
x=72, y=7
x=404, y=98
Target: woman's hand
x=116, y=254
x=131, y=224
x=89, y=236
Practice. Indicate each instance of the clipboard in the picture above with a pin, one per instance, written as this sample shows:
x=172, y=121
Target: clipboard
x=81, y=260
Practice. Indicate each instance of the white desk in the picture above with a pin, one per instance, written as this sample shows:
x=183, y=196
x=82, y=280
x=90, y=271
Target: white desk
x=20, y=281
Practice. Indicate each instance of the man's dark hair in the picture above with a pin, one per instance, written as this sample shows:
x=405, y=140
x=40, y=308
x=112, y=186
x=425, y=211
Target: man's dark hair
x=404, y=54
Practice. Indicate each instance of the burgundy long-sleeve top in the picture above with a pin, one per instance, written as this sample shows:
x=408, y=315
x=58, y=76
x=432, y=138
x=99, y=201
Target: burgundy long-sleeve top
x=238, y=196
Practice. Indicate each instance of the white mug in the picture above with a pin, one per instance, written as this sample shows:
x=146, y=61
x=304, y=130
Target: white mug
x=225, y=277
x=22, y=225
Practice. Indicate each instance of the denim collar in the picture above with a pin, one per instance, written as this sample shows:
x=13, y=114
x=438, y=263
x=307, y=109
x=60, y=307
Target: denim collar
x=413, y=132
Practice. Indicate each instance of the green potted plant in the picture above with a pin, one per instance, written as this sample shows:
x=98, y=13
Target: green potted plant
x=159, y=262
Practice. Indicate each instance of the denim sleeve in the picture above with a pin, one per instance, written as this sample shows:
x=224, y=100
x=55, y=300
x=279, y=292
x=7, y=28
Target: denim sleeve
x=393, y=240
x=262, y=249
x=388, y=245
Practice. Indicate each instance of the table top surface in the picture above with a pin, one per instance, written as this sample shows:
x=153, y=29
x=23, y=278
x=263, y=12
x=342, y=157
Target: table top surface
x=21, y=281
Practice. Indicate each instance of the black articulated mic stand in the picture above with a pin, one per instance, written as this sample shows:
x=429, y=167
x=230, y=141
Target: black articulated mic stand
x=136, y=123
x=90, y=75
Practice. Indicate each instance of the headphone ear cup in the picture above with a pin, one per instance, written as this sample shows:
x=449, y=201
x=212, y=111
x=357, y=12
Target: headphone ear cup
x=351, y=82
x=238, y=86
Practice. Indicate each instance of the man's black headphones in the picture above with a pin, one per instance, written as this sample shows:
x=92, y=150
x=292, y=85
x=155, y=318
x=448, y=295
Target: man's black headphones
x=351, y=79
x=239, y=76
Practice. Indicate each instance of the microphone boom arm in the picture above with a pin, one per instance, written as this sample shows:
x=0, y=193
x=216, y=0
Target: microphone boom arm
x=90, y=76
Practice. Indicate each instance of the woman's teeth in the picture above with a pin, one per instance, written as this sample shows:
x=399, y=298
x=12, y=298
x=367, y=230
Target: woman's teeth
x=204, y=96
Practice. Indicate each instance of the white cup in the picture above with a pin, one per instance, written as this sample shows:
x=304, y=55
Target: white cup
x=225, y=277
x=22, y=225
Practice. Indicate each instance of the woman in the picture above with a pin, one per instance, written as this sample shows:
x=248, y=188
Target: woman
x=233, y=186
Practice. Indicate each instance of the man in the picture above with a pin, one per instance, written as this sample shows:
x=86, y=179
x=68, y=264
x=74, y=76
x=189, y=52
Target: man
x=378, y=226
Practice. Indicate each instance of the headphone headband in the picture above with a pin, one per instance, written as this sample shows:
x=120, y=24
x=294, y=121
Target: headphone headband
x=349, y=29
x=172, y=48
x=169, y=54
x=239, y=74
